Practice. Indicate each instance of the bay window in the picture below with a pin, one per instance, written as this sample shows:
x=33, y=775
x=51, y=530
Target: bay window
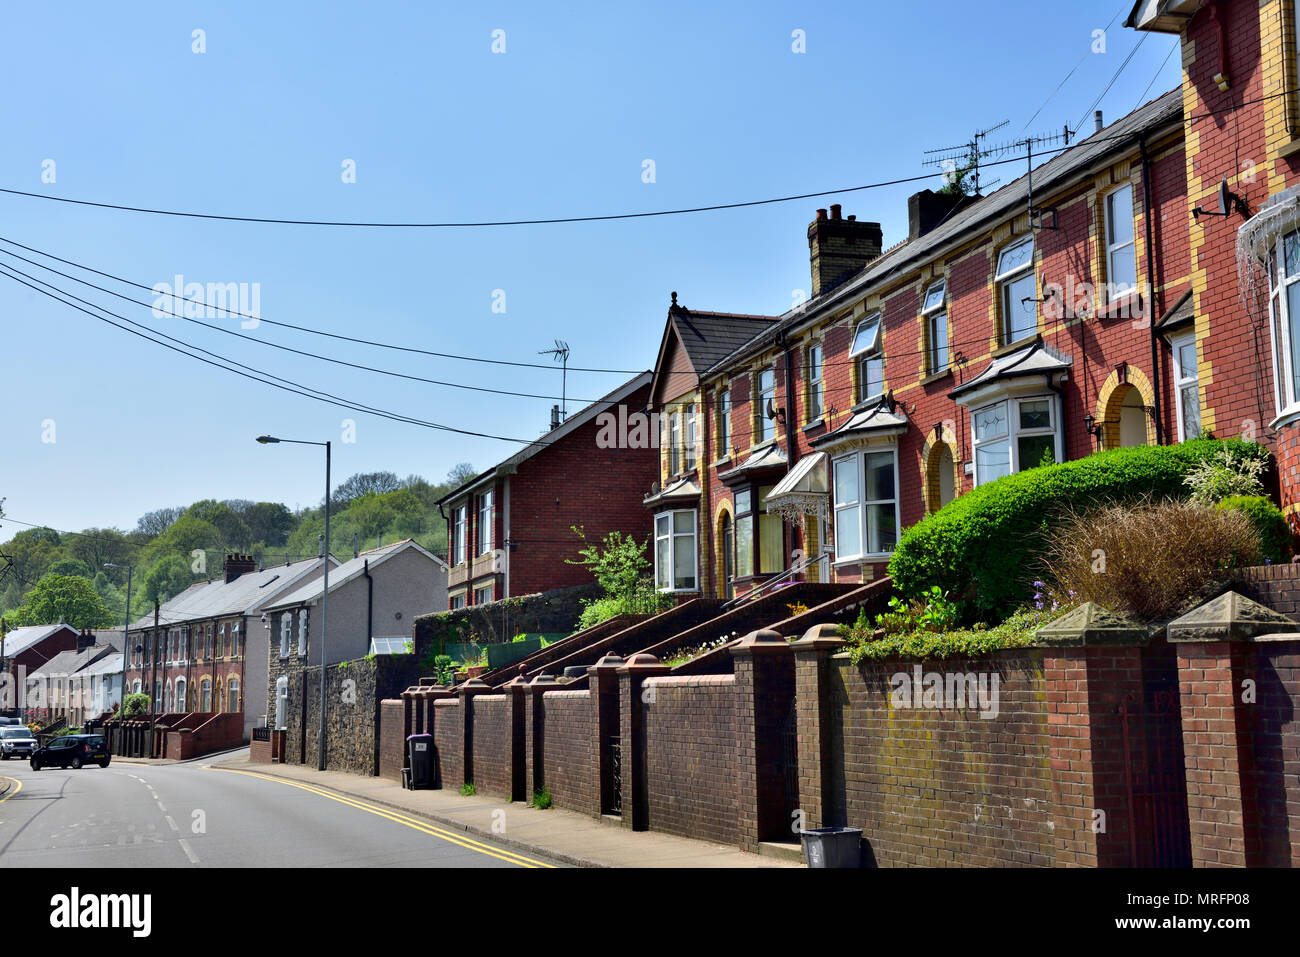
x=1187, y=387
x=1284, y=310
x=1121, y=255
x=935, y=317
x=1018, y=291
x=865, y=504
x=866, y=352
x=1013, y=435
x=675, y=553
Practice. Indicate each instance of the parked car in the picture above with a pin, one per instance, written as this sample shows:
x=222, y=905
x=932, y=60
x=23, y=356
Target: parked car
x=72, y=750
x=17, y=742
x=4, y=721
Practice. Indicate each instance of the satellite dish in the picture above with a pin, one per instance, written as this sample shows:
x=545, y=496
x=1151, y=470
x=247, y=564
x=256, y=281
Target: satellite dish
x=771, y=409
x=1225, y=198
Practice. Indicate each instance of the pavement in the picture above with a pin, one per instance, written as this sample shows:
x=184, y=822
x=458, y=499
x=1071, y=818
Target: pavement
x=555, y=833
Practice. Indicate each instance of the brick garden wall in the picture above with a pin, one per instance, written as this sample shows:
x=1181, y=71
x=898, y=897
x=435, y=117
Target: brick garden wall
x=491, y=722
x=568, y=735
x=447, y=733
x=392, y=739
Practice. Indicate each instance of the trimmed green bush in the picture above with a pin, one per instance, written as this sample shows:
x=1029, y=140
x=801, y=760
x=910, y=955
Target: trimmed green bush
x=1274, y=532
x=984, y=548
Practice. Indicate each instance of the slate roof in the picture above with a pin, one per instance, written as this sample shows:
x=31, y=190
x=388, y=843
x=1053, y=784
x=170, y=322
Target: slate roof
x=75, y=662
x=353, y=568
x=1037, y=358
x=709, y=337
x=1166, y=111
x=218, y=598
x=20, y=639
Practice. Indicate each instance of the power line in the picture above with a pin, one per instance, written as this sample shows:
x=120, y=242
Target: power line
x=296, y=388
x=1071, y=73
x=308, y=329
x=276, y=345
x=1159, y=70
x=1137, y=46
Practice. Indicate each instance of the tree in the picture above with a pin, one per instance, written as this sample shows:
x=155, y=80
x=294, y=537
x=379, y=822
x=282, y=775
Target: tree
x=460, y=474
x=186, y=534
x=98, y=547
x=69, y=566
x=31, y=551
x=370, y=514
x=64, y=598
x=158, y=521
x=232, y=529
x=166, y=578
x=364, y=483
x=269, y=522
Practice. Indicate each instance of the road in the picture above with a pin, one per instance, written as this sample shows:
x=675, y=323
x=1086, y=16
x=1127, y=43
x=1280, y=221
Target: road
x=192, y=815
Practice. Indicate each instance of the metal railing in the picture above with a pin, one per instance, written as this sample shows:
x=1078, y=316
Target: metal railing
x=785, y=577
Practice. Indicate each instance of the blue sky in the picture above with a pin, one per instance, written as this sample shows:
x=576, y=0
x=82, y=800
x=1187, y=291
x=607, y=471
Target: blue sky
x=441, y=128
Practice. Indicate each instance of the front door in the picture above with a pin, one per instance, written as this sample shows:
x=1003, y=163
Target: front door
x=728, y=551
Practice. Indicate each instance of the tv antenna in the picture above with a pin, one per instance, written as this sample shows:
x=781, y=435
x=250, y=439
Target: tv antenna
x=1027, y=144
x=952, y=158
x=561, y=355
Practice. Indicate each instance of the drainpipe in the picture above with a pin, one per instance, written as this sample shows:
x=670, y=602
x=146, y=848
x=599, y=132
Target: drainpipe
x=1060, y=418
x=1156, y=384
x=791, y=451
x=370, y=601
x=702, y=461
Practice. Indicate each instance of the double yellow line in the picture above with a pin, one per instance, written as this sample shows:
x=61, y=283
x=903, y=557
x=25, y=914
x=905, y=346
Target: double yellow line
x=18, y=786
x=423, y=826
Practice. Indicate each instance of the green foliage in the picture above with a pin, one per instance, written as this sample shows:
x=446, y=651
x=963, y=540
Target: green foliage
x=1228, y=473
x=932, y=612
x=1016, y=631
x=467, y=789
x=542, y=799
x=65, y=598
x=986, y=547
x=168, y=576
x=1275, y=538
x=619, y=566
x=135, y=704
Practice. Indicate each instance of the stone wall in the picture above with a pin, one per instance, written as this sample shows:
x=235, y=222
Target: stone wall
x=551, y=611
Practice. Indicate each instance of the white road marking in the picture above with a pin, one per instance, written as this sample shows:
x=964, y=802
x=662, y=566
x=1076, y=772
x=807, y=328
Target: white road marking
x=172, y=824
x=189, y=851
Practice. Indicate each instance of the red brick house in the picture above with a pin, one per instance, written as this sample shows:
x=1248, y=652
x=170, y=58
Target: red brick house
x=23, y=650
x=509, y=528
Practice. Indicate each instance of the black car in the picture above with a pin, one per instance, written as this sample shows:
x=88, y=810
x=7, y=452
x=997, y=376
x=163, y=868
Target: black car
x=72, y=750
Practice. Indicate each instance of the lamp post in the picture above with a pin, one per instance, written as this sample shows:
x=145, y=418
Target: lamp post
x=325, y=593
x=126, y=639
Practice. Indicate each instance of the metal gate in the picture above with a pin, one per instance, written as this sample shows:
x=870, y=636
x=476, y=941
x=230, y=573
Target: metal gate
x=614, y=803
x=789, y=765
x=1158, y=833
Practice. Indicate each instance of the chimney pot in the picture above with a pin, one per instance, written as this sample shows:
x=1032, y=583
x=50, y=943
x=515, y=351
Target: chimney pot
x=839, y=248
x=821, y=215
x=1097, y=123
x=835, y=211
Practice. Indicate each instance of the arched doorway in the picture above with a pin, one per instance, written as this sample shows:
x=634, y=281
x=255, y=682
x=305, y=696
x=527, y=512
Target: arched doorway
x=1132, y=419
x=727, y=540
x=940, y=475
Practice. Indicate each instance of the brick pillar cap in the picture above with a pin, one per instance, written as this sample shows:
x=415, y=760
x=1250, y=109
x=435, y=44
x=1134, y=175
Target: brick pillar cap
x=545, y=679
x=1091, y=625
x=474, y=686
x=644, y=662
x=819, y=636
x=610, y=660
x=1229, y=617
x=763, y=641
x=518, y=683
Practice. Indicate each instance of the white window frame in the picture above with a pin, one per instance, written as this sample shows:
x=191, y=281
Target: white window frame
x=281, y=702
x=478, y=594
x=1115, y=249
x=761, y=395
x=458, y=534
x=233, y=702
x=1002, y=280
x=816, y=385
x=674, y=442
x=485, y=522
x=869, y=354
x=861, y=504
x=934, y=313
x=1283, y=329
x=724, y=422
x=302, y=631
x=688, y=436
x=1183, y=381
x=671, y=537
x=286, y=626
x=1012, y=435
x=180, y=698
x=457, y=601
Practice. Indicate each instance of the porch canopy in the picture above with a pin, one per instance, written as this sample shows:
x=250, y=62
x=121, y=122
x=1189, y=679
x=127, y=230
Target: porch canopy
x=803, y=491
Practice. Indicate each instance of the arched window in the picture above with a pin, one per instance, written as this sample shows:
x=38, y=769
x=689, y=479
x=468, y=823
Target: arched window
x=232, y=694
x=135, y=686
x=205, y=695
x=182, y=701
x=302, y=631
x=167, y=698
x=286, y=621
x=157, y=697
x=281, y=702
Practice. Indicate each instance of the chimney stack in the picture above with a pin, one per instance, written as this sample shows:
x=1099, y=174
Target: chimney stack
x=555, y=417
x=839, y=248
x=1097, y=124
x=236, y=565
x=927, y=209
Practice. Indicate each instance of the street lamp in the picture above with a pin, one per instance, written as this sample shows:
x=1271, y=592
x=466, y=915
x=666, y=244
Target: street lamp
x=325, y=594
x=126, y=639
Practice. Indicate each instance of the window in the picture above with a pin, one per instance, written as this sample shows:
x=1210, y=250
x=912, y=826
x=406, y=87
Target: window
x=302, y=631
x=724, y=422
x=1013, y=435
x=771, y=539
x=285, y=626
x=135, y=686
x=690, y=437
x=1284, y=309
x=675, y=551
x=232, y=694
x=234, y=640
x=816, y=389
x=458, y=535
x=865, y=504
x=483, y=595
x=1187, y=387
x=674, y=442
x=744, y=533
x=935, y=317
x=1121, y=253
x=485, y=523
x=1019, y=291
x=458, y=601
x=181, y=703
x=867, y=353
x=766, y=394
x=281, y=703
x=205, y=695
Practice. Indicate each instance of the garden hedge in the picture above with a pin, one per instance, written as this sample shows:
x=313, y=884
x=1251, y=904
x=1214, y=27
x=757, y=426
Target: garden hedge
x=984, y=547
x=1274, y=532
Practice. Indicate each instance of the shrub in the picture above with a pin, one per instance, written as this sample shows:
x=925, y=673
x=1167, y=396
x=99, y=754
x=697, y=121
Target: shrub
x=1275, y=541
x=1226, y=474
x=1017, y=631
x=467, y=789
x=932, y=613
x=985, y=547
x=542, y=799
x=1148, y=560
x=136, y=704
